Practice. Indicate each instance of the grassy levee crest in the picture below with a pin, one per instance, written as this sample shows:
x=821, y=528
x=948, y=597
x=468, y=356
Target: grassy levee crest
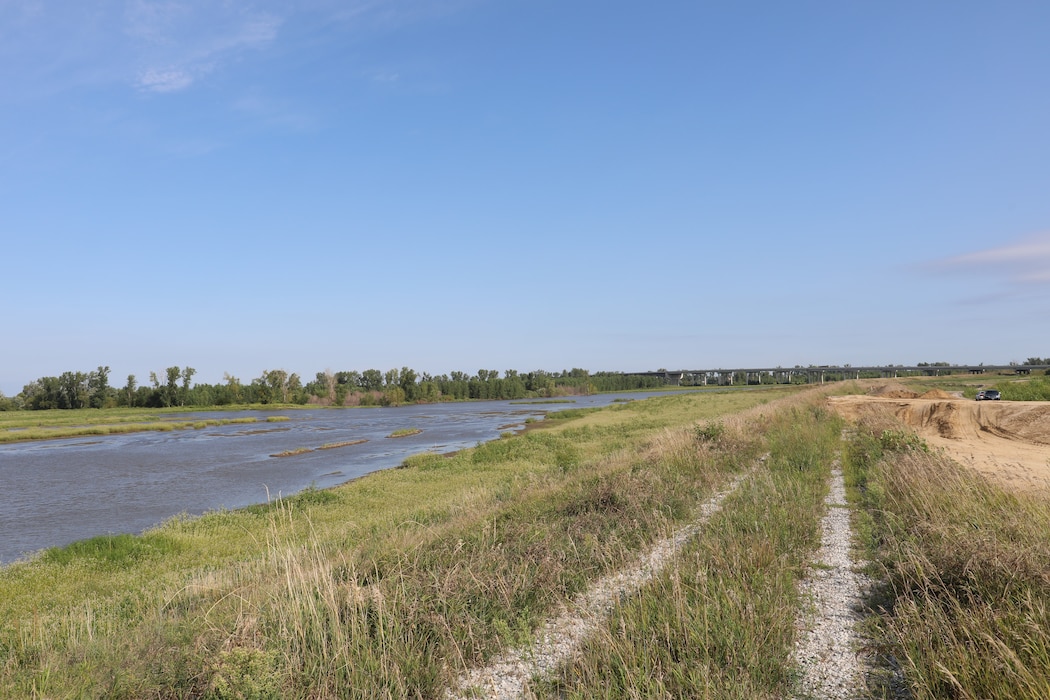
x=719, y=623
x=965, y=565
x=393, y=585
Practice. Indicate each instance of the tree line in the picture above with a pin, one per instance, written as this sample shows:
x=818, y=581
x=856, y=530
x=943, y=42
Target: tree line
x=371, y=387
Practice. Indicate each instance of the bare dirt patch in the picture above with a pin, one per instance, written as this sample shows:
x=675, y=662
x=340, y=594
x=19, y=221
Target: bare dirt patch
x=1008, y=441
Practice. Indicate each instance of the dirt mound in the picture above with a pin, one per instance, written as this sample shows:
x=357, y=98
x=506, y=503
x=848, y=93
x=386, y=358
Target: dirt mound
x=894, y=391
x=1009, y=441
x=938, y=394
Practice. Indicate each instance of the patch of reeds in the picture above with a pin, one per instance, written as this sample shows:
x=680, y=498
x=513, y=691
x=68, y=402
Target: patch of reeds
x=965, y=605
x=327, y=446
x=118, y=428
x=343, y=443
x=294, y=452
x=404, y=432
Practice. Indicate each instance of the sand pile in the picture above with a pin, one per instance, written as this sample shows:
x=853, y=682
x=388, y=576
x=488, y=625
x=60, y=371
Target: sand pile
x=1007, y=440
x=938, y=394
x=894, y=391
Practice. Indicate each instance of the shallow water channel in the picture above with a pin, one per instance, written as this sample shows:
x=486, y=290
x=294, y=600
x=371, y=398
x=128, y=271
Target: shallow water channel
x=58, y=491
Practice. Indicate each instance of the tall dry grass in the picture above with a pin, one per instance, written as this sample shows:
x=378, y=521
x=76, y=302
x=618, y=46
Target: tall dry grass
x=966, y=566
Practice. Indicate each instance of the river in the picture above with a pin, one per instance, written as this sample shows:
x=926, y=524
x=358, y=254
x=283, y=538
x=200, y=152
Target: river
x=55, y=492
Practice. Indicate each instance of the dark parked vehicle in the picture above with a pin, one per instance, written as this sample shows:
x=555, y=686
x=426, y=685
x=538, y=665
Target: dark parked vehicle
x=989, y=395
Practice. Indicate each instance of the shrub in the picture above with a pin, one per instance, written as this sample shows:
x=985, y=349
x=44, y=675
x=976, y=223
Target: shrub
x=710, y=432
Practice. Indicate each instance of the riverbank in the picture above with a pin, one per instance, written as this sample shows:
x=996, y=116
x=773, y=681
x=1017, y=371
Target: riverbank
x=53, y=424
x=59, y=491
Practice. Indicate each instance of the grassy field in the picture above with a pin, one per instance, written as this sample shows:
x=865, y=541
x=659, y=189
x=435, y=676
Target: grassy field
x=394, y=585
x=1034, y=387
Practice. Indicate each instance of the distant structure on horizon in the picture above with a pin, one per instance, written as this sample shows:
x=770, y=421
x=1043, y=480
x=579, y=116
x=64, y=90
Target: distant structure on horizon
x=822, y=373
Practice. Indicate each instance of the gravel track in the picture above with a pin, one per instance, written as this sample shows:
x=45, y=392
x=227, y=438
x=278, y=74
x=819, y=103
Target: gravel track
x=828, y=650
x=508, y=676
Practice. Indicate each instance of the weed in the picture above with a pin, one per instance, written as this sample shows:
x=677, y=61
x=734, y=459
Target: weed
x=710, y=432
x=901, y=441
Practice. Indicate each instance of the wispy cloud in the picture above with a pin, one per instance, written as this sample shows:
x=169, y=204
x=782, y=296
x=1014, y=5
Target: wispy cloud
x=170, y=46
x=177, y=43
x=173, y=80
x=385, y=77
x=1024, y=262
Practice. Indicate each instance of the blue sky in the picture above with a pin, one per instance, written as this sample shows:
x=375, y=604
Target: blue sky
x=511, y=184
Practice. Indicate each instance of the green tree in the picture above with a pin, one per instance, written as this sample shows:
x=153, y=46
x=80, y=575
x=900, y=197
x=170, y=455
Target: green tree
x=187, y=375
x=129, y=390
x=171, y=389
x=98, y=387
x=263, y=392
x=372, y=380
x=74, y=390
x=277, y=382
x=351, y=379
x=408, y=383
x=327, y=380
x=233, y=392
x=293, y=390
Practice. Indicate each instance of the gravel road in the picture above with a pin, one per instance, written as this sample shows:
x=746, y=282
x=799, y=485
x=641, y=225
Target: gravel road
x=829, y=646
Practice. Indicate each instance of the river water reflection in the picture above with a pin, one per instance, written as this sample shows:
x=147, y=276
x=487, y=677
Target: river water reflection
x=57, y=491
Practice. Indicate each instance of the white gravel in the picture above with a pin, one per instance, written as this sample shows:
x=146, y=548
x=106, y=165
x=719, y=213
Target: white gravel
x=829, y=647
x=829, y=651
x=506, y=677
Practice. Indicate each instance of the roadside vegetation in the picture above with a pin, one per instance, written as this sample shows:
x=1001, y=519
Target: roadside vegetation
x=964, y=604
x=1026, y=387
x=1034, y=389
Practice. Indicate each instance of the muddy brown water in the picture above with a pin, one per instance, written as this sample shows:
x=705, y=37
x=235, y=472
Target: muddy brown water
x=58, y=491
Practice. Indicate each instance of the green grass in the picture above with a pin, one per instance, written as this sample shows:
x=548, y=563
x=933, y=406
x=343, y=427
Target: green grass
x=1034, y=387
x=363, y=586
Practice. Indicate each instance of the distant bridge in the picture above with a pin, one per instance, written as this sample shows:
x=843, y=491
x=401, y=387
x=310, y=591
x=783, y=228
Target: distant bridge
x=817, y=375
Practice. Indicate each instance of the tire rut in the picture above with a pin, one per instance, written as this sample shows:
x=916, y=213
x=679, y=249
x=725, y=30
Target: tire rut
x=828, y=651
x=507, y=677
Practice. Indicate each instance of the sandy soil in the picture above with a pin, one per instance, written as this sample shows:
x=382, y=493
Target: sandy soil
x=1006, y=440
